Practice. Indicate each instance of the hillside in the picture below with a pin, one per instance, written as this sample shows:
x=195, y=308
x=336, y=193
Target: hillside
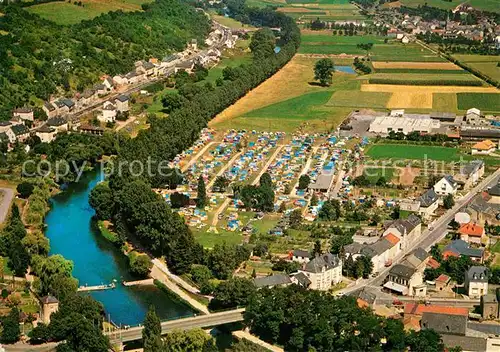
x=37, y=56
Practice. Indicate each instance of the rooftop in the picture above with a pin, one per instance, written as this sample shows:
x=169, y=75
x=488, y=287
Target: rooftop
x=324, y=261
x=471, y=229
x=419, y=309
x=477, y=274
x=444, y=323
x=484, y=145
x=272, y=280
x=461, y=247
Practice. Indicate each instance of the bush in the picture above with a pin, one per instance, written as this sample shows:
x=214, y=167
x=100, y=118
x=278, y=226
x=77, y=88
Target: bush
x=140, y=264
x=25, y=189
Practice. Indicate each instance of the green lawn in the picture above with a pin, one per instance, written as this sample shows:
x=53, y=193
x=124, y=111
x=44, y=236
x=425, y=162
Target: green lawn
x=358, y=99
x=418, y=152
x=66, y=13
x=210, y=239
x=482, y=101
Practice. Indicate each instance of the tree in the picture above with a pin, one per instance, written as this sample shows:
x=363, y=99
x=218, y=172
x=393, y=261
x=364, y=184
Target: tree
x=266, y=180
x=101, y=199
x=201, y=199
x=195, y=340
x=323, y=71
x=220, y=185
x=200, y=274
x=317, y=248
x=11, y=332
x=25, y=189
x=314, y=200
x=81, y=334
x=179, y=200
x=35, y=243
x=232, y=293
x=140, y=265
x=448, y=201
x=304, y=181
x=295, y=218
x=151, y=333
x=425, y=340
x=330, y=211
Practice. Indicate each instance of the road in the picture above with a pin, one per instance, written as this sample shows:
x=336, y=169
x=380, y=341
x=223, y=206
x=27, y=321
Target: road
x=202, y=321
x=429, y=237
x=7, y=196
x=224, y=169
x=197, y=156
x=269, y=162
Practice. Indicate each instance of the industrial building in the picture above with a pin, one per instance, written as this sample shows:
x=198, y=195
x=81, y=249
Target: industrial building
x=386, y=124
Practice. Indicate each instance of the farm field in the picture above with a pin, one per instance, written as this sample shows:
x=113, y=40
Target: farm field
x=486, y=64
x=486, y=102
x=66, y=13
x=442, y=66
x=229, y=22
x=358, y=99
x=487, y=5
x=428, y=77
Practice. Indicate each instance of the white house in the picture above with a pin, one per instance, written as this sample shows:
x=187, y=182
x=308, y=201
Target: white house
x=6, y=127
x=473, y=117
x=121, y=103
x=108, y=83
x=429, y=202
x=24, y=114
x=485, y=147
x=120, y=80
x=470, y=174
x=324, y=271
x=405, y=229
x=50, y=109
x=300, y=256
x=108, y=112
x=446, y=185
x=46, y=134
x=476, y=281
x=405, y=39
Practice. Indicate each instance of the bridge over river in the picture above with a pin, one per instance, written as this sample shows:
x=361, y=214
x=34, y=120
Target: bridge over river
x=201, y=321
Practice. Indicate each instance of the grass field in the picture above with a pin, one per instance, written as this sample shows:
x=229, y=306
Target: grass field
x=444, y=102
x=486, y=64
x=229, y=22
x=487, y=102
x=210, y=239
x=66, y=13
x=441, y=66
x=358, y=99
x=418, y=152
x=405, y=77
x=488, y=5
x=373, y=174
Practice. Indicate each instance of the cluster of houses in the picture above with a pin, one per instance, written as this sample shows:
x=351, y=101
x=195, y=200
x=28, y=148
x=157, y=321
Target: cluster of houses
x=407, y=26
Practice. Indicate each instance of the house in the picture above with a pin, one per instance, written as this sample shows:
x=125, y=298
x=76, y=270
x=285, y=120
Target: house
x=446, y=185
x=145, y=67
x=100, y=89
x=485, y=147
x=121, y=103
x=416, y=310
x=406, y=229
x=406, y=281
x=186, y=65
x=108, y=83
x=490, y=306
x=21, y=132
x=473, y=117
x=108, y=112
x=300, y=256
x=64, y=106
x=429, y=202
x=459, y=248
x=6, y=127
x=418, y=259
x=50, y=109
x=476, y=281
x=300, y=279
x=444, y=323
x=120, y=80
x=88, y=97
x=470, y=174
x=405, y=39
x=473, y=233
x=134, y=77
x=49, y=305
x=485, y=207
x=89, y=129
x=46, y=134
x=272, y=281
x=58, y=123
x=381, y=253
x=442, y=282
x=324, y=271
x=25, y=114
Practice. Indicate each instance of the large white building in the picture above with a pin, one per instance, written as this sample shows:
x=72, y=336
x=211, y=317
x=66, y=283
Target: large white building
x=476, y=281
x=324, y=271
x=386, y=124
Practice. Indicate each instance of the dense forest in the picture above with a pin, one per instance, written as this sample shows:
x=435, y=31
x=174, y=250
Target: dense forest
x=38, y=56
x=129, y=201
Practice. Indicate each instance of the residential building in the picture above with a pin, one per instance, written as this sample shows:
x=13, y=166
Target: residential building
x=88, y=97
x=108, y=83
x=108, y=112
x=324, y=271
x=485, y=207
x=121, y=103
x=459, y=248
x=444, y=323
x=100, y=89
x=470, y=174
x=494, y=193
x=446, y=185
x=145, y=67
x=58, y=123
x=272, y=281
x=46, y=134
x=49, y=305
x=473, y=233
x=429, y=202
x=485, y=147
x=406, y=281
x=300, y=256
x=406, y=229
x=476, y=281
x=6, y=127
x=120, y=80
x=300, y=279
x=417, y=259
x=24, y=113
x=50, y=109
x=416, y=310
x=381, y=252
x=21, y=132
x=89, y=129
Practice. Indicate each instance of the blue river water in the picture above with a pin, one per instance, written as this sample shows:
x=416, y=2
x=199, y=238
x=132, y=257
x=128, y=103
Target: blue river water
x=73, y=234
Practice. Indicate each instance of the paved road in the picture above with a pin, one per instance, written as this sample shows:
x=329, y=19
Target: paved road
x=429, y=237
x=203, y=321
x=7, y=196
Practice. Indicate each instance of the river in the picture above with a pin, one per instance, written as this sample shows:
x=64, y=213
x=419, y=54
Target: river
x=96, y=261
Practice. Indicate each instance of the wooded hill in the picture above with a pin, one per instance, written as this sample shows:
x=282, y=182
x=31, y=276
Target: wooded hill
x=38, y=56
